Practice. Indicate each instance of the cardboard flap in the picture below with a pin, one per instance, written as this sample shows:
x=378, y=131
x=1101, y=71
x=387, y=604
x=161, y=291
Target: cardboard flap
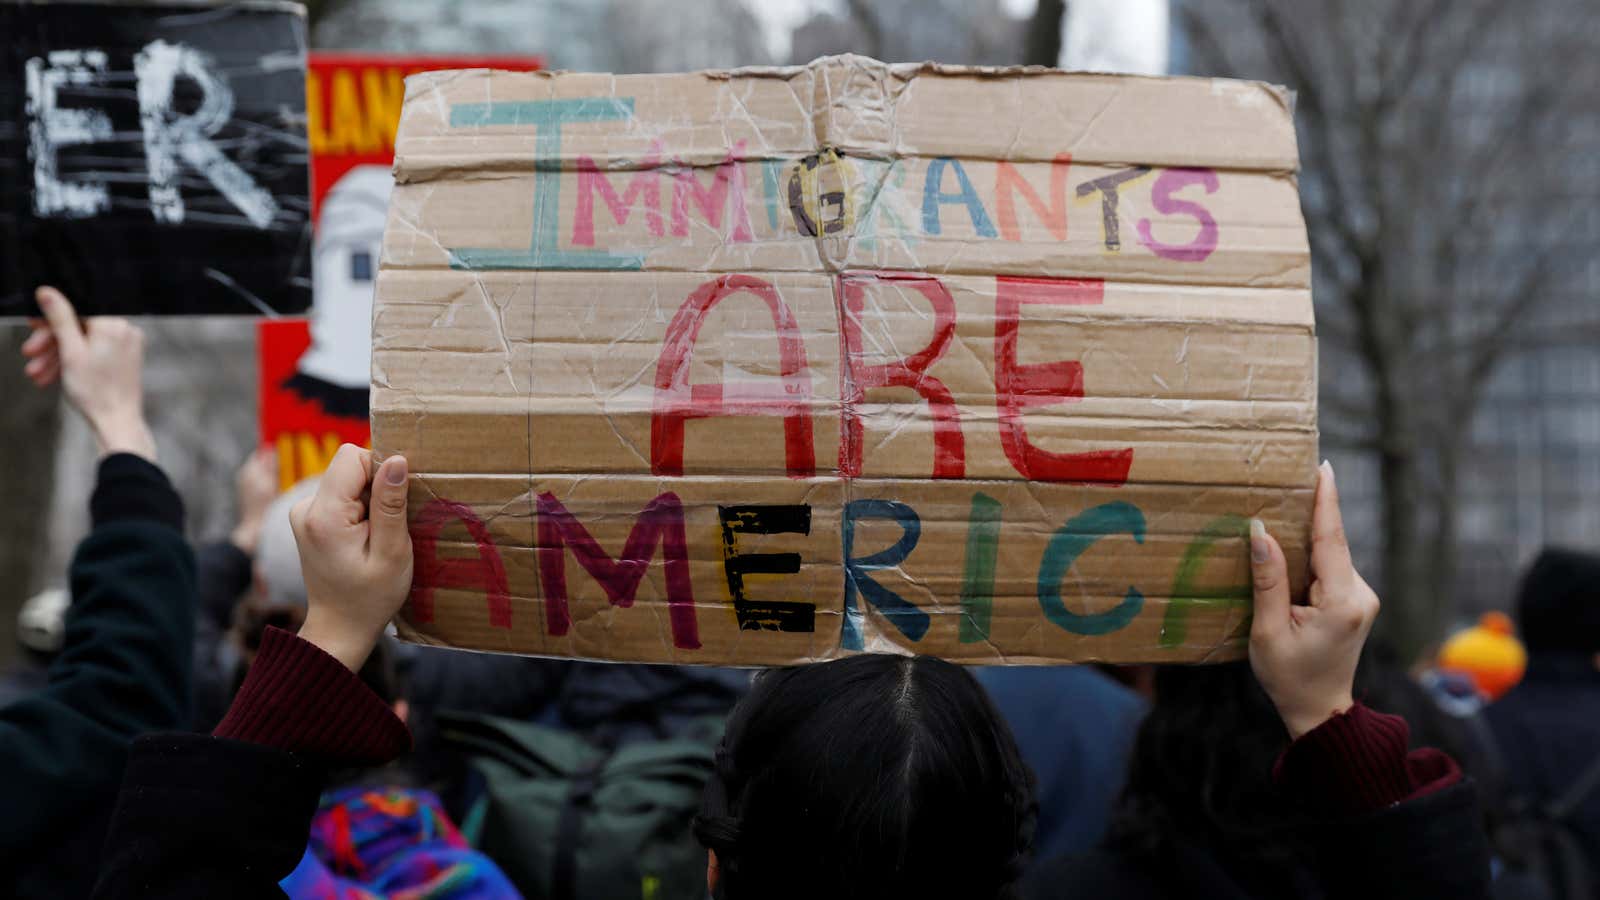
x=774, y=365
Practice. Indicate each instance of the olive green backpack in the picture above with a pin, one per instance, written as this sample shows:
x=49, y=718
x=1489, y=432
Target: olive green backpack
x=568, y=819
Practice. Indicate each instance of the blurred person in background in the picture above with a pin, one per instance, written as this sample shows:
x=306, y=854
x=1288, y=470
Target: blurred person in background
x=225, y=572
x=1547, y=729
x=1210, y=809
x=1488, y=653
x=1075, y=727
x=376, y=833
x=41, y=631
x=123, y=667
x=1228, y=798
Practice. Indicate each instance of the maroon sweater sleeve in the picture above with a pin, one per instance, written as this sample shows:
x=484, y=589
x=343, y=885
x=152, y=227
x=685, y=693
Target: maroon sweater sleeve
x=1357, y=762
x=299, y=699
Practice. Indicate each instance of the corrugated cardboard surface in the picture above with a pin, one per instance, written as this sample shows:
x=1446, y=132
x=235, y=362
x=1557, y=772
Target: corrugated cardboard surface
x=774, y=365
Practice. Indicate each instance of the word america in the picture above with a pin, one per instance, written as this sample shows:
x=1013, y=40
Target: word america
x=661, y=523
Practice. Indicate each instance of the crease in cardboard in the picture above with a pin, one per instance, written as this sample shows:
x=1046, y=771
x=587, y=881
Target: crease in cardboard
x=762, y=193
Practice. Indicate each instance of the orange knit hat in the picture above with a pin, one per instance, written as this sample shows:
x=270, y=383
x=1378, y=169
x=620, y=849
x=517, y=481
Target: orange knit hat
x=1489, y=653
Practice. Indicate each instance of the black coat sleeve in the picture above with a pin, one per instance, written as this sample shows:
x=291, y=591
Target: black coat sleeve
x=206, y=817
x=223, y=574
x=1425, y=848
x=228, y=815
x=123, y=671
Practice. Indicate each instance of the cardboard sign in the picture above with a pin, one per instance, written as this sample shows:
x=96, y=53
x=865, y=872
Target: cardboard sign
x=776, y=365
x=153, y=157
x=313, y=382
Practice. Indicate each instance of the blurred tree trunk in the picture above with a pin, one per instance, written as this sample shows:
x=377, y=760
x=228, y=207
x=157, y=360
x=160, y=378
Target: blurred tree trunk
x=317, y=9
x=30, y=423
x=871, y=29
x=1435, y=138
x=1044, y=34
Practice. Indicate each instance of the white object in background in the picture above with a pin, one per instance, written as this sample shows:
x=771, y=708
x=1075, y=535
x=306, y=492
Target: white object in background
x=1124, y=36
x=349, y=239
x=42, y=621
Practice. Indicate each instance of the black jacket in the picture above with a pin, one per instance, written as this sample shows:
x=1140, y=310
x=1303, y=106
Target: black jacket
x=1425, y=848
x=123, y=671
x=1547, y=731
x=224, y=573
x=204, y=818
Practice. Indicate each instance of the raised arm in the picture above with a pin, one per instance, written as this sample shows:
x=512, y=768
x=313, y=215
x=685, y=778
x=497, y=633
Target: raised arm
x=1393, y=823
x=228, y=815
x=124, y=668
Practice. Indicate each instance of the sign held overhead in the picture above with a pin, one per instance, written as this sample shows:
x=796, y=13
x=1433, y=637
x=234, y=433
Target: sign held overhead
x=153, y=157
x=775, y=365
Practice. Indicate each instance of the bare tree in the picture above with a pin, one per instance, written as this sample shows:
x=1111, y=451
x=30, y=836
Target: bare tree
x=317, y=10
x=866, y=19
x=1043, y=47
x=1434, y=136
x=31, y=421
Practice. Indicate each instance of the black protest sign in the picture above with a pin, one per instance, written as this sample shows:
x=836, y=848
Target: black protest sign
x=153, y=158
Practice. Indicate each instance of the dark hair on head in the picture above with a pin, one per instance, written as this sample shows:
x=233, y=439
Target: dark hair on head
x=1201, y=780
x=251, y=620
x=873, y=776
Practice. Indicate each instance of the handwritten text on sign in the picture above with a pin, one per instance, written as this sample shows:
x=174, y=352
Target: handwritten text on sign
x=962, y=424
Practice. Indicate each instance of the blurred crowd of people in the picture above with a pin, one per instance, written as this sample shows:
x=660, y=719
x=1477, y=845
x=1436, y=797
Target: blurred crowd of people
x=167, y=734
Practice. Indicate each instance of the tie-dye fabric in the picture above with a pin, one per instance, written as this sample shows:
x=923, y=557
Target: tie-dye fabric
x=375, y=843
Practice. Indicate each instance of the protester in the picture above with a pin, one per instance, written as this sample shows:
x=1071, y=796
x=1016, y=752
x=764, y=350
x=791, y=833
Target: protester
x=1075, y=727
x=41, y=632
x=378, y=841
x=377, y=835
x=1489, y=653
x=225, y=574
x=1205, y=815
x=1547, y=728
x=124, y=664
x=867, y=777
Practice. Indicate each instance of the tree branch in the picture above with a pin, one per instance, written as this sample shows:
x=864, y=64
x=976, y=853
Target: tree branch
x=1286, y=56
x=1043, y=44
x=871, y=28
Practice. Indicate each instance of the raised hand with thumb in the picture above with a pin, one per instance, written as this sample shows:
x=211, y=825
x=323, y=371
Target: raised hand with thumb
x=1305, y=656
x=355, y=553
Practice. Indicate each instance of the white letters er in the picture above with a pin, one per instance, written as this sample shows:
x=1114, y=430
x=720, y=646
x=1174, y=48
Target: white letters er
x=171, y=139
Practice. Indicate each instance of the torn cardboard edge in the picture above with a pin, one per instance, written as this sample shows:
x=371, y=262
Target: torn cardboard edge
x=605, y=532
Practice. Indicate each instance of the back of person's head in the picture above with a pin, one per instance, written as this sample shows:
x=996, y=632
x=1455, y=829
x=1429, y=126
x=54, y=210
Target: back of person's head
x=873, y=776
x=381, y=672
x=1201, y=775
x=277, y=556
x=42, y=624
x=1559, y=606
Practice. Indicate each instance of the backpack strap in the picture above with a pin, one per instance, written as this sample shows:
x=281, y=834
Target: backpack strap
x=569, y=828
x=1570, y=799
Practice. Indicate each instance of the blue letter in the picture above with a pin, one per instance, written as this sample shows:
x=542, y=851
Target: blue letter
x=912, y=622
x=1065, y=548
x=546, y=116
x=933, y=197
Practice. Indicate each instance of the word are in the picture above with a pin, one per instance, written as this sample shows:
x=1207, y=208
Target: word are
x=1018, y=387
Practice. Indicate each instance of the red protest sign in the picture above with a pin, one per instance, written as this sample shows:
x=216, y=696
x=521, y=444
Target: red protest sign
x=314, y=375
